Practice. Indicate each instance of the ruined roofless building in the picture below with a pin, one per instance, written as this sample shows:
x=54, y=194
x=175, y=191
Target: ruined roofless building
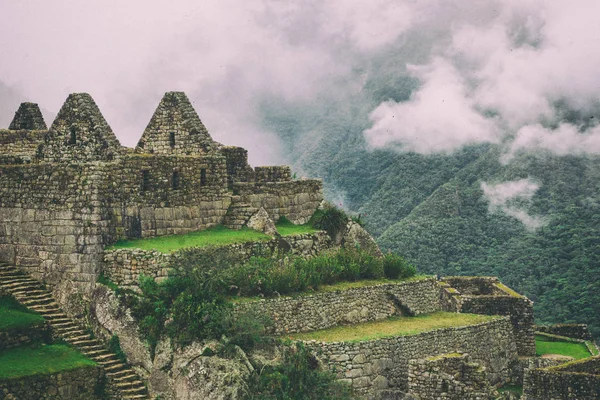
x=69, y=191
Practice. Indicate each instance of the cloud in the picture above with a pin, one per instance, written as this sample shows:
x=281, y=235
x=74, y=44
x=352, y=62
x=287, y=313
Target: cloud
x=564, y=140
x=227, y=55
x=529, y=65
x=511, y=197
x=486, y=69
x=439, y=117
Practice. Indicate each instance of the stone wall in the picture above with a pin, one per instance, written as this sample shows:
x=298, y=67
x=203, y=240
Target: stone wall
x=16, y=337
x=324, y=310
x=19, y=146
x=238, y=169
x=448, y=376
x=574, y=331
x=78, y=384
x=383, y=365
x=296, y=200
x=149, y=196
x=52, y=220
x=275, y=173
x=124, y=266
x=80, y=134
x=175, y=128
x=488, y=296
x=524, y=364
x=575, y=380
x=28, y=117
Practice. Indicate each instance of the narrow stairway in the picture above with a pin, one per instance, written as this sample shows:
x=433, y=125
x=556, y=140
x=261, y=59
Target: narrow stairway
x=32, y=294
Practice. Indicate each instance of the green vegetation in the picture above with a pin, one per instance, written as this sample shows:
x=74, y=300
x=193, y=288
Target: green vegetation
x=107, y=282
x=286, y=228
x=367, y=282
x=192, y=303
x=270, y=276
x=15, y=316
x=548, y=345
x=431, y=208
x=114, y=346
x=395, y=326
x=41, y=359
x=217, y=236
x=332, y=220
x=511, y=389
x=296, y=377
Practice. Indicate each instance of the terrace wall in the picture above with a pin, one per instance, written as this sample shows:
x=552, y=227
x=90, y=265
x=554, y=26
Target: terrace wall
x=446, y=377
x=124, y=266
x=575, y=380
x=382, y=365
x=486, y=295
x=325, y=310
x=574, y=331
x=40, y=333
x=78, y=384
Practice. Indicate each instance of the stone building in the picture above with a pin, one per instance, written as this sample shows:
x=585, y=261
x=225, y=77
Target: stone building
x=68, y=191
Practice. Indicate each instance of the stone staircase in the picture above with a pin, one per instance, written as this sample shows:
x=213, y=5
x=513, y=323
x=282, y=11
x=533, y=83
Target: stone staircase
x=31, y=293
x=238, y=214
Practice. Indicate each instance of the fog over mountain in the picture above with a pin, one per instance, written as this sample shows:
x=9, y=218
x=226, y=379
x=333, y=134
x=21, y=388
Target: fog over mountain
x=482, y=72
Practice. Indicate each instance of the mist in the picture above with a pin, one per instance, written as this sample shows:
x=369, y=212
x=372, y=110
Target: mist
x=424, y=77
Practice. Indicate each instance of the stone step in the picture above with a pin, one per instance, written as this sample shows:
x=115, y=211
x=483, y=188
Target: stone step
x=128, y=377
x=32, y=294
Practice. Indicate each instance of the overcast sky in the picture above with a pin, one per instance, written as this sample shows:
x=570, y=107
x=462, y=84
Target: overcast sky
x=521, y=72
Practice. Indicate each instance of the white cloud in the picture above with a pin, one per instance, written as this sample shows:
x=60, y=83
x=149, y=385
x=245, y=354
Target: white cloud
x=566, y=139
x=438, y=117
x=502, y=197
x=528, y=64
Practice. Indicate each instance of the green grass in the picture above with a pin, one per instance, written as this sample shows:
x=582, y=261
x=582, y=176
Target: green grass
x=396, y=326
x=287, y=228
x=15, y=316
x=546, y=345
x=44, y=359
x=217, y=236
x=335, y=287
x=366, y=282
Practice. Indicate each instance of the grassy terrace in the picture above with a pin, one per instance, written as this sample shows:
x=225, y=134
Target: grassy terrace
x=216, y=236
x=546, y=345
x=46, y=359
x=397, y=326
x=15, y=316
x=335, y=287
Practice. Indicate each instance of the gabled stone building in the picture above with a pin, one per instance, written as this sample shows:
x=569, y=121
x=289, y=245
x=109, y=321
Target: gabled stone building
x=68, y=191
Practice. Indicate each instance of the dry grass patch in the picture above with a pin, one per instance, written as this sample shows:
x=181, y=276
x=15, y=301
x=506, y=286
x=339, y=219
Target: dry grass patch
x=396, y=326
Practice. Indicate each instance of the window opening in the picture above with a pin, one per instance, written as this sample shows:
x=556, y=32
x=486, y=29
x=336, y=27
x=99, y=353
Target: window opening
x=175, y=180
x=172, y=139
x=73, y=136
x=145, y=181
x=203, y=177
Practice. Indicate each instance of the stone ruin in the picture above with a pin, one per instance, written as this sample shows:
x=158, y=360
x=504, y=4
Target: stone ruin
x=69, y=191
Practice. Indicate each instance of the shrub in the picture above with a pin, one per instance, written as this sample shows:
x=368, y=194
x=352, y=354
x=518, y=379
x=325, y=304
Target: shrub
x=332, y=220
x=297, y=377
x=114, y=346
x=396, y=267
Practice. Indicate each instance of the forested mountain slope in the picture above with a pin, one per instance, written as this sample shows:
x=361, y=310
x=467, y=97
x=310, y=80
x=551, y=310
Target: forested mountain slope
x=432, y=209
